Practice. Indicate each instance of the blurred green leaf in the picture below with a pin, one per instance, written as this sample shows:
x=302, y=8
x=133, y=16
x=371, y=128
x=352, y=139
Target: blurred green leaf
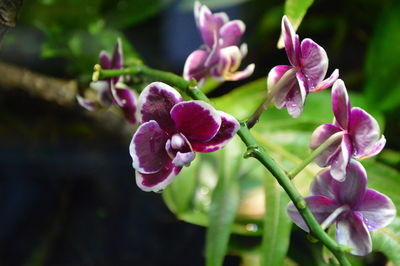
x=82, y=48
x=295, y=10
x=179, y=194
x=222, y=212
x=249, y=96
x=390, y=157
x=60, y=15
x=78, y=40
x=382, y=62
x=384, y=179
x=186, y=5
x=124, y=13
x=248, y=178
x=277, y=225
x=387, y=241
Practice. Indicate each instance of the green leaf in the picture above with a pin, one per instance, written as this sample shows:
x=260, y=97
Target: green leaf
x=186, y=5
x=222, y=212
x=387, y=241
x=277, y=225
x=382, y=62
x=196, y=203
x=179, y=195
x=60, y=15
x=384, y=179
x=295, y=10
x=249, y=96
x=124, y=13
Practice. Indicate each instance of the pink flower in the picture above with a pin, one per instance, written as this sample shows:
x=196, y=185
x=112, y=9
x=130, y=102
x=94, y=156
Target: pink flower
x=112, y=91
x=220, y=55
x=290, y=84
x=355, y=208
x=361, y=135
x=172, y=130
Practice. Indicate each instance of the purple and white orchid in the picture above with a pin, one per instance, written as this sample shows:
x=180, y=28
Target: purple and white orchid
x=172, y=130
x=220, y=55
x=360, y=134
x=355, y=208
x=112, y=90
x=290, y=85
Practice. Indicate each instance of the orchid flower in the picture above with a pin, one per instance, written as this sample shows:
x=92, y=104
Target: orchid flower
x=355, y=208
x=290, y=84
x=112, y=90
x=220, y=55
x=360, y=137
x=172, y=130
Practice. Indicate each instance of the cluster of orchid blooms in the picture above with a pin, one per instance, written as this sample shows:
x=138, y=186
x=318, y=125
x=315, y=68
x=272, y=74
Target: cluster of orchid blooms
x=172, y=130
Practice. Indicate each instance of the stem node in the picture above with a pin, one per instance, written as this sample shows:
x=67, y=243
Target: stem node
x=251, y=151
x=301, y=204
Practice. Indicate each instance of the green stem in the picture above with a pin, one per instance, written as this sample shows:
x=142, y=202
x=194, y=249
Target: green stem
x=295, y=171
x=188, y=87
x=253, y=150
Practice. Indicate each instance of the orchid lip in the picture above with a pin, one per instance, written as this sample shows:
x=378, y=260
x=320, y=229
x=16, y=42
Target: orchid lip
x=177, y=143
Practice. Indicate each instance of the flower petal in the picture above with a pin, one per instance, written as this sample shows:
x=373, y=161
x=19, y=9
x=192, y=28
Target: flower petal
x=103, y=89
x=229, y=60
x=377, y=210
x=323, y=185
x=302, y=82
x=295, y=100
x=231, y=33
x=320, y=206
x=351, y=190
x=229, y=127
x=275, y=74
x=341, y=104
x=352, y=232
x=183, y=159
x=239, y=75
x=319, y=136
x=207, y=24
x=327, y=82
x=87, y=104
x=194, y=66
x=341, y=159
x=105, y=60
x=147, y=148
x=117, y=59
x=377, y=148
x=314, y=63
x=289, y=38
x=127, y=98
x=280, y=80
x=197, y=120
x=155, y=103
x=364, y=130
x=157, y=181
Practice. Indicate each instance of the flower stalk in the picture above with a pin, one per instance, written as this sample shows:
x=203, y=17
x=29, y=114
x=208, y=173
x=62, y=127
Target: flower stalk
x=332, y=139
x=284, y=81
x=253, y=150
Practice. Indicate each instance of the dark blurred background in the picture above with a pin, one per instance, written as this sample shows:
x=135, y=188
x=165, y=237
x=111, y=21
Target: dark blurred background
x=67, y=189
